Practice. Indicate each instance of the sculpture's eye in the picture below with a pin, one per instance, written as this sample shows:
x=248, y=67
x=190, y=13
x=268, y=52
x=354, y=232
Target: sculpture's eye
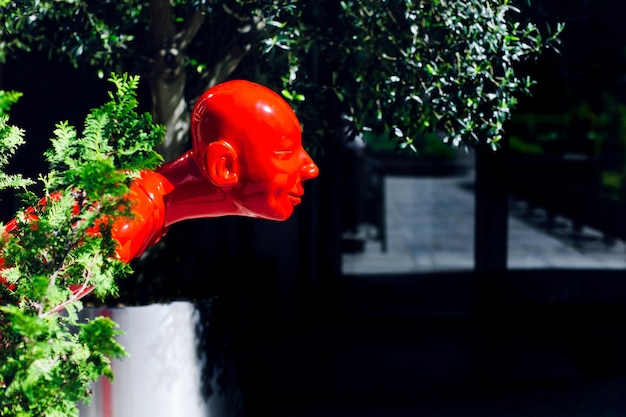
x=283, y=154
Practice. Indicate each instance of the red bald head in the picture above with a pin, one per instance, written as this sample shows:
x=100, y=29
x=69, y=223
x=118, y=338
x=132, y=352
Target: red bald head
x=248, y=140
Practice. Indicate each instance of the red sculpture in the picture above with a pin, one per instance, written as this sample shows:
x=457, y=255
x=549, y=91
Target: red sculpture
x=246, y=159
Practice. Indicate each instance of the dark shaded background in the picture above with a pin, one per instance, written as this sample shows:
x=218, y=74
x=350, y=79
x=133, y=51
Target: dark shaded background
x=294, y=350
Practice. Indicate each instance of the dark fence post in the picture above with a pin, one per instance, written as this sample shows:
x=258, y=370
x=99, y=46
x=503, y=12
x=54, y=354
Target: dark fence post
x=320, y=285
x=491, y=230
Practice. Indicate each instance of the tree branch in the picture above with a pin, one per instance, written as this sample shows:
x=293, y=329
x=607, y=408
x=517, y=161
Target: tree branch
x=191, y=28
x=161, y=28
x=235, y=52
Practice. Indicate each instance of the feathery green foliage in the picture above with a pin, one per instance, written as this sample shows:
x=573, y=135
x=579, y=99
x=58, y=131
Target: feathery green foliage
x=12, y=139
x=49, y=359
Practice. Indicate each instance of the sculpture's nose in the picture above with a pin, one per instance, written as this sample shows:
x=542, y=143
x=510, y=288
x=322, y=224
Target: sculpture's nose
x=309, y=169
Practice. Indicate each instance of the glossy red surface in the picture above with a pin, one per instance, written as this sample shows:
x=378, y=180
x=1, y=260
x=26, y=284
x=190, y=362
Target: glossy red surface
x=246, y=159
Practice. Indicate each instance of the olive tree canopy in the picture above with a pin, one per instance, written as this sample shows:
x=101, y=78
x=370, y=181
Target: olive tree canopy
x=400, y=68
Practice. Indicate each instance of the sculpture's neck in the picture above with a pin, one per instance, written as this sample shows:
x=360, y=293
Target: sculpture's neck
x=193, y=196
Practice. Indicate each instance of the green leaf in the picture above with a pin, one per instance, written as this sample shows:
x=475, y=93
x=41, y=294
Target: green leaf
x=65, y=239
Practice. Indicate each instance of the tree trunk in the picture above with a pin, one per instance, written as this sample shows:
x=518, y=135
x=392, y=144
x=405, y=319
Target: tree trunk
x=168, y=78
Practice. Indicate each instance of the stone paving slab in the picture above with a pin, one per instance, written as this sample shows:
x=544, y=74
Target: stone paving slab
x=430, y=228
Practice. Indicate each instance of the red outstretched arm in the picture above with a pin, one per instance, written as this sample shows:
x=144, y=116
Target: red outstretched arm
x=247, y=160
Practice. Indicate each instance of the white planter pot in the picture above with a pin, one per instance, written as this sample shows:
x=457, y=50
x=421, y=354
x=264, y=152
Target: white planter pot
x=163, y=376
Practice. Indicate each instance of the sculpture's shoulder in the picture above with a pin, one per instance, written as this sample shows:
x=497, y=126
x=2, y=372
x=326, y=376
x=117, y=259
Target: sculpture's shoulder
x=153, y=185
x=146, y=226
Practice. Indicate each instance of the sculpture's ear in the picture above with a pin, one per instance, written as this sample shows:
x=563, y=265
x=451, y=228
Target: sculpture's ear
x=220, y=164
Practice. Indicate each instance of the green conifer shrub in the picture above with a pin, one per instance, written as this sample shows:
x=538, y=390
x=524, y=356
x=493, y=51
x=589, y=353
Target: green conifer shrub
x=48, y=357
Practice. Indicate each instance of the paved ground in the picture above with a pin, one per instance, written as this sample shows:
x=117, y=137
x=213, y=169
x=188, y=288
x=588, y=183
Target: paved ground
x=429, y=224
x=409, y=351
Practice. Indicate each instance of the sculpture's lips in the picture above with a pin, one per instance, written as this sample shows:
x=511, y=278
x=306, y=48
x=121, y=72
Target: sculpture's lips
x=295, y=198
